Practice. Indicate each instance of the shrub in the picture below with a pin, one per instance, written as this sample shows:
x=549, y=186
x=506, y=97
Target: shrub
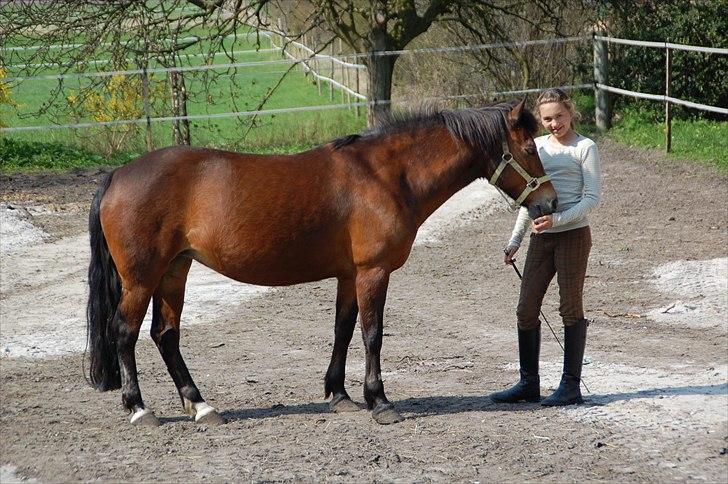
x=4, y=95
x=119, y=97
x=696, y=76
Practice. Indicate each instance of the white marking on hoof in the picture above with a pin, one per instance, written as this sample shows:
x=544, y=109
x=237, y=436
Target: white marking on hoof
x=198, y=410
x=144, y=417
x=202, y=409
x=139, y=414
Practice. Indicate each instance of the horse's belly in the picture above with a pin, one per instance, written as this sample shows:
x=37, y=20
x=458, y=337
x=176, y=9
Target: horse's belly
x=274, y=267
x=275, y=275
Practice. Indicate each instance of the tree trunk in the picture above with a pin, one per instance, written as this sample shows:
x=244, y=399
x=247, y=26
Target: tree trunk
x=380, y=69
x=180, y=127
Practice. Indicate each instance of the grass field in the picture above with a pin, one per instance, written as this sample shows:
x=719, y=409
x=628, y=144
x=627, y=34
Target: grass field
x=210, y=92
x=700, y=140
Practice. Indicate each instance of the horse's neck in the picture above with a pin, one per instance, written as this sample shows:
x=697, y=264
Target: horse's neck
x=436, y=173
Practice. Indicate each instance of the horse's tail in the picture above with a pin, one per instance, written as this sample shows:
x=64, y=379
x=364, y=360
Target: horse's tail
x=103, y=298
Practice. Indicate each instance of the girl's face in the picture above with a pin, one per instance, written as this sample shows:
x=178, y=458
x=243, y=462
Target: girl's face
x=556, y=119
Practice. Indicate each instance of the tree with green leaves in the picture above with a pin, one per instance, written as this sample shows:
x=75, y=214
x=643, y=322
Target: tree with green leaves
x=699, y=77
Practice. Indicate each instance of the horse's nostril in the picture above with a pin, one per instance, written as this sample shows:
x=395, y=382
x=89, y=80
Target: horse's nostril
x=554, y=204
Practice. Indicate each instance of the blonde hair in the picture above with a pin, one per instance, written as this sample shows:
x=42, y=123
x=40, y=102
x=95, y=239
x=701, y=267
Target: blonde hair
x=556, y=95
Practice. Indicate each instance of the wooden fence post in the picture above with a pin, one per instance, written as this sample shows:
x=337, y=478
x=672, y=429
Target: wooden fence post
x=358, y=100
x=341, y=72
x=316, y=74
x=668, y=117
x=346, y=82
x=302, y=55
x=147, y=109
x=331, y=84
x=602, y=116
x=281, y=40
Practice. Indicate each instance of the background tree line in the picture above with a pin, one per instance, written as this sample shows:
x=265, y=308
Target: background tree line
x=133, y=33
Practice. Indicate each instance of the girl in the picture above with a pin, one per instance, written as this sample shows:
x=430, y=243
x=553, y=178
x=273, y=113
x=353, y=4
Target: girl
x=560, y=245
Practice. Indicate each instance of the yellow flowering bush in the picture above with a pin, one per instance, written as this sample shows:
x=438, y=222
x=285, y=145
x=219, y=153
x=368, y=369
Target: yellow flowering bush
x=118, y=98
x=5, y=93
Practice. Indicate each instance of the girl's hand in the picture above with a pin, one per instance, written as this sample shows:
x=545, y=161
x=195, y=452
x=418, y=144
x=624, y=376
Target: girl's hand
x=509, y=252
x=542, y=224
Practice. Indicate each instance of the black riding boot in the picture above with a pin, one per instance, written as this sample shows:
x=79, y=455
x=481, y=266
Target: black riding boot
x=569, y=391
x=528, y=388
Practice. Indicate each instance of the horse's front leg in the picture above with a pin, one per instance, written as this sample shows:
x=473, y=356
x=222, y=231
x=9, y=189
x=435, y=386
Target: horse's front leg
x=371, y=291
x=346, y=311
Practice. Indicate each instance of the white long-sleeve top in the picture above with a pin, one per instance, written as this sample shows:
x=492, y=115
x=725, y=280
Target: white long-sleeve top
x=576, y=173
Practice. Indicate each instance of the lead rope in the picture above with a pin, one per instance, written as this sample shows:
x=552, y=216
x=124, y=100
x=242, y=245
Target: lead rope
x=511, y=207
x=547, y=323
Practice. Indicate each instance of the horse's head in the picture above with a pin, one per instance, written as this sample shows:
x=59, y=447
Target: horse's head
x=520, y=173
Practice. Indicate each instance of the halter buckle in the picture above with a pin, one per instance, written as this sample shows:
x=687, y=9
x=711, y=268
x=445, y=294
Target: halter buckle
x=533, y=183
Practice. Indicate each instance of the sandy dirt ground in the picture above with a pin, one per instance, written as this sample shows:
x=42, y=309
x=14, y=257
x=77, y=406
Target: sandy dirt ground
x=656, y=360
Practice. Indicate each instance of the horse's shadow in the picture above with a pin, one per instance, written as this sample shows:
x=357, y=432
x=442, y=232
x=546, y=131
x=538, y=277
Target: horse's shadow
x=710, y=390
x=419, y=407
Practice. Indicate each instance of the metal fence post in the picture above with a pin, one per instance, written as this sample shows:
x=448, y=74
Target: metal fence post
x=602, y=116
x=668, y=117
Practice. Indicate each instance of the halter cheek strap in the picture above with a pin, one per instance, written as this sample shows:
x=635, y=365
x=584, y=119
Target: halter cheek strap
x=532, y=183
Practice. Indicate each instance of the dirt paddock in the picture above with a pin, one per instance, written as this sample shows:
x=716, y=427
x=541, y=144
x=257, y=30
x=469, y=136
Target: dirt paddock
x=656, y=360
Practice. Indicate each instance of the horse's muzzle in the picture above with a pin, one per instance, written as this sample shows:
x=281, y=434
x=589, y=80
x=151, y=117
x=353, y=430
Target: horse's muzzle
x=542, y=207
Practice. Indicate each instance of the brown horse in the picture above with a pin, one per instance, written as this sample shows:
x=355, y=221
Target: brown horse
x=349, y=209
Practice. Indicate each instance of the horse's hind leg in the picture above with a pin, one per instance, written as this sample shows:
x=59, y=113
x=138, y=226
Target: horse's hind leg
x=166, y=312
x=346, y=311
x=127, y=322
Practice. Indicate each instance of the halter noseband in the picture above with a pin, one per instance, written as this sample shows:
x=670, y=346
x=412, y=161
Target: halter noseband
x=532, y=183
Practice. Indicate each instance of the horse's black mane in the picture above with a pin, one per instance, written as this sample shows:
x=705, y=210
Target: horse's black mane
x=483, y=128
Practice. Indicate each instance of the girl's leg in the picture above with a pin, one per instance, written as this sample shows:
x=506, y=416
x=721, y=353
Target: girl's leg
x=571, y=256
x=538, y=271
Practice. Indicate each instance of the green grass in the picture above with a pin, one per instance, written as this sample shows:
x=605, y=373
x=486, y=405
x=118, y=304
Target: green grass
x=700, y=140
x=239, y=45
x=37, y=155
x=239, y=90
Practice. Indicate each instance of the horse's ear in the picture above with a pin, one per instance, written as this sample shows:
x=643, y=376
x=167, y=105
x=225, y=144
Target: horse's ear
x=516, y=111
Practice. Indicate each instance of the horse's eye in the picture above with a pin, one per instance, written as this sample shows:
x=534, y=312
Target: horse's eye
x=531, y=150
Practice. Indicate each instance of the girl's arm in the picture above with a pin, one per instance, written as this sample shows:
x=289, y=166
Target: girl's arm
x=592, y=175
x=523, y=223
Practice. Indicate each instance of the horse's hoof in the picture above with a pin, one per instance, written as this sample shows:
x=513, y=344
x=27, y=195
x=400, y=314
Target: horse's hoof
x=385, y=414
x=343, y=405
x=210, y=418
x=145, y=418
